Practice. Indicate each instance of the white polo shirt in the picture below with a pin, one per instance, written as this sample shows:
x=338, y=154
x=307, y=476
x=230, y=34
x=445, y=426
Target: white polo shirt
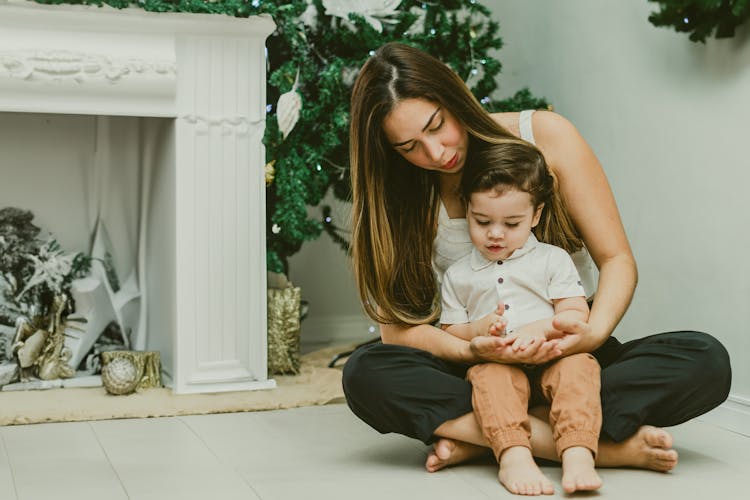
x=526, y=282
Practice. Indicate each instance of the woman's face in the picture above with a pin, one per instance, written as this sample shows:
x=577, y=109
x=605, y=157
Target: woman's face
x=427, y=135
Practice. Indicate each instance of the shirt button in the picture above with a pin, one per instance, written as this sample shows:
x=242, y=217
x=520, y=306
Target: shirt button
x=499, y=262
x=507, y=306
x=500, y=280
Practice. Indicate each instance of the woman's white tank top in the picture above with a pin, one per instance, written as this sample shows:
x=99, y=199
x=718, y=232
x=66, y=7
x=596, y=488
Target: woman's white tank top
x=452, y=241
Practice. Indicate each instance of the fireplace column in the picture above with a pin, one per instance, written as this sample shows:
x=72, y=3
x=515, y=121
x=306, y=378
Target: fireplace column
x=220, y=197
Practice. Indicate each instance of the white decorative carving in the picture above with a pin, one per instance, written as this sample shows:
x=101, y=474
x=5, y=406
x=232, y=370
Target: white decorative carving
x=79, y=66
x=238, y=124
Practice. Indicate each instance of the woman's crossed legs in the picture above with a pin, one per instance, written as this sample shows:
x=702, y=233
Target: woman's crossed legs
x=648, y=383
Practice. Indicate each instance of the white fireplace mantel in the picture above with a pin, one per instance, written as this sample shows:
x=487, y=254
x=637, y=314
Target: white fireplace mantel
x=207, y=72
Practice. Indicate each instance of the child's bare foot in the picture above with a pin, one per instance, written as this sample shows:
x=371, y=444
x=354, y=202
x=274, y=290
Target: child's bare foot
x=521, y=475
x=449, y=452
x=578, y=470
x=649, y=448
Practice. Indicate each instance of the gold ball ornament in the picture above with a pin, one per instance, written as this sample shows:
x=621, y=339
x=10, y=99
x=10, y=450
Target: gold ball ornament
x=120, y=376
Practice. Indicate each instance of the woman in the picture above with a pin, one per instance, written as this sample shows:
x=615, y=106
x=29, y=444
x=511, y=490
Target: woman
x=413, y=126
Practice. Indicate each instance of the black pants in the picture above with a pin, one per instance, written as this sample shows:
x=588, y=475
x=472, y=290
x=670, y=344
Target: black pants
x=662, y=380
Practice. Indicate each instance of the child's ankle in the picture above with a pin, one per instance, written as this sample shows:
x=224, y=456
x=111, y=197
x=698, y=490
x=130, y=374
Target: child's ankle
x=515, y=454
x=577, y=452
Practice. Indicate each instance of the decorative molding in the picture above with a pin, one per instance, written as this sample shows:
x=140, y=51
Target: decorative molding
x=238, y=124
x=61, y=65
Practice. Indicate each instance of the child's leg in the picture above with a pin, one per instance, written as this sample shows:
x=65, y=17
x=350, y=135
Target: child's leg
x=500, y=395
x=572, y=386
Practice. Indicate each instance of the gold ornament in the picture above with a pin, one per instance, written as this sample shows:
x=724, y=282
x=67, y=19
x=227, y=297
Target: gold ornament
x=147, y=365
x=38, y=344
x=283, y=330
x=270, y=172
x=120, y=376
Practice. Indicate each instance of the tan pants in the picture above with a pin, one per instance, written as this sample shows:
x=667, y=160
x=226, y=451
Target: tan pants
x=500, y=398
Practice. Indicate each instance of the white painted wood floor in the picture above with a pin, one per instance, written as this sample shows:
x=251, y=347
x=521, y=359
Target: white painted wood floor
x=310, y=453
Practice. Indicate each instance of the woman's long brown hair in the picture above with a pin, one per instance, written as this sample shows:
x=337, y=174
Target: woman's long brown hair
x=395, y=204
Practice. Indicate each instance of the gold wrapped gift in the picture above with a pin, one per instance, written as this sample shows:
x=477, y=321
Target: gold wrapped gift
x=283, y=330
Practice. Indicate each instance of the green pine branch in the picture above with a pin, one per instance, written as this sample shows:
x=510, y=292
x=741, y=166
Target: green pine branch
x=701, y=18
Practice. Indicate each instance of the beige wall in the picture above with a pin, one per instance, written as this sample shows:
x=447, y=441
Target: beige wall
x=323, y=271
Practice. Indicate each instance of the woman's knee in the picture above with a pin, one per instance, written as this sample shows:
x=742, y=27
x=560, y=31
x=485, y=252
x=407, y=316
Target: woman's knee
x=706, y=362
x=377, y=371
x=366, y=384
x=712, y=364
x=404, y=390
x=360, y=370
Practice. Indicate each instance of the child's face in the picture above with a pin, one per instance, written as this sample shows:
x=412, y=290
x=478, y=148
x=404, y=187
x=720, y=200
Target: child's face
x=499, y=224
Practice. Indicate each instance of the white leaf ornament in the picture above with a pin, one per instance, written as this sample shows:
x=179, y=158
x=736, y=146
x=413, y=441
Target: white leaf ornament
x=287, y=110
x=374, y=11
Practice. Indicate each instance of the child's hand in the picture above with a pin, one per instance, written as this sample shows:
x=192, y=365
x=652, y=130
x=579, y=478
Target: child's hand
x=537, y=352
x=528, y=343
x=493, y=324
x=500, y=350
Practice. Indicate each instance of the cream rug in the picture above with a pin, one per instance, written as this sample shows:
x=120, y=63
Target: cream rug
x=315, y=385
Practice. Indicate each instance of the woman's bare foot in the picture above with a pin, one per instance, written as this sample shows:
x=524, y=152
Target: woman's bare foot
x=649, y=448
x=447, y=452
x=578, y=470
x=521, y=475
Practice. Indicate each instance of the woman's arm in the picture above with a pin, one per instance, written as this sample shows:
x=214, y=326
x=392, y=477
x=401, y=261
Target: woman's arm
x=466, y=331
x=592, y=207
x=574, y=308
x=431, y=339
x=481, y=348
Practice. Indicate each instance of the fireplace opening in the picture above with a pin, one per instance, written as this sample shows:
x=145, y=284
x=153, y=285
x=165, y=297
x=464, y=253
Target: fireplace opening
x=103, y=187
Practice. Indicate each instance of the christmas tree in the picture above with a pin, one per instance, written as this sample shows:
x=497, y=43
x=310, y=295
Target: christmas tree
x=313, y=58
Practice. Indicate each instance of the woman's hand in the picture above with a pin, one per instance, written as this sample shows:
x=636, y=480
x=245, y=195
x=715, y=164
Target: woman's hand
x=574, y=331
x=500, y=350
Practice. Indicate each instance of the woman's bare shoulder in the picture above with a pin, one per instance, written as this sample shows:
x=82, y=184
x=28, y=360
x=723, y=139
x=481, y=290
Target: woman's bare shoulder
x=552, y=125
x=557, y=138
x=548, y=126
x=509, y=121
